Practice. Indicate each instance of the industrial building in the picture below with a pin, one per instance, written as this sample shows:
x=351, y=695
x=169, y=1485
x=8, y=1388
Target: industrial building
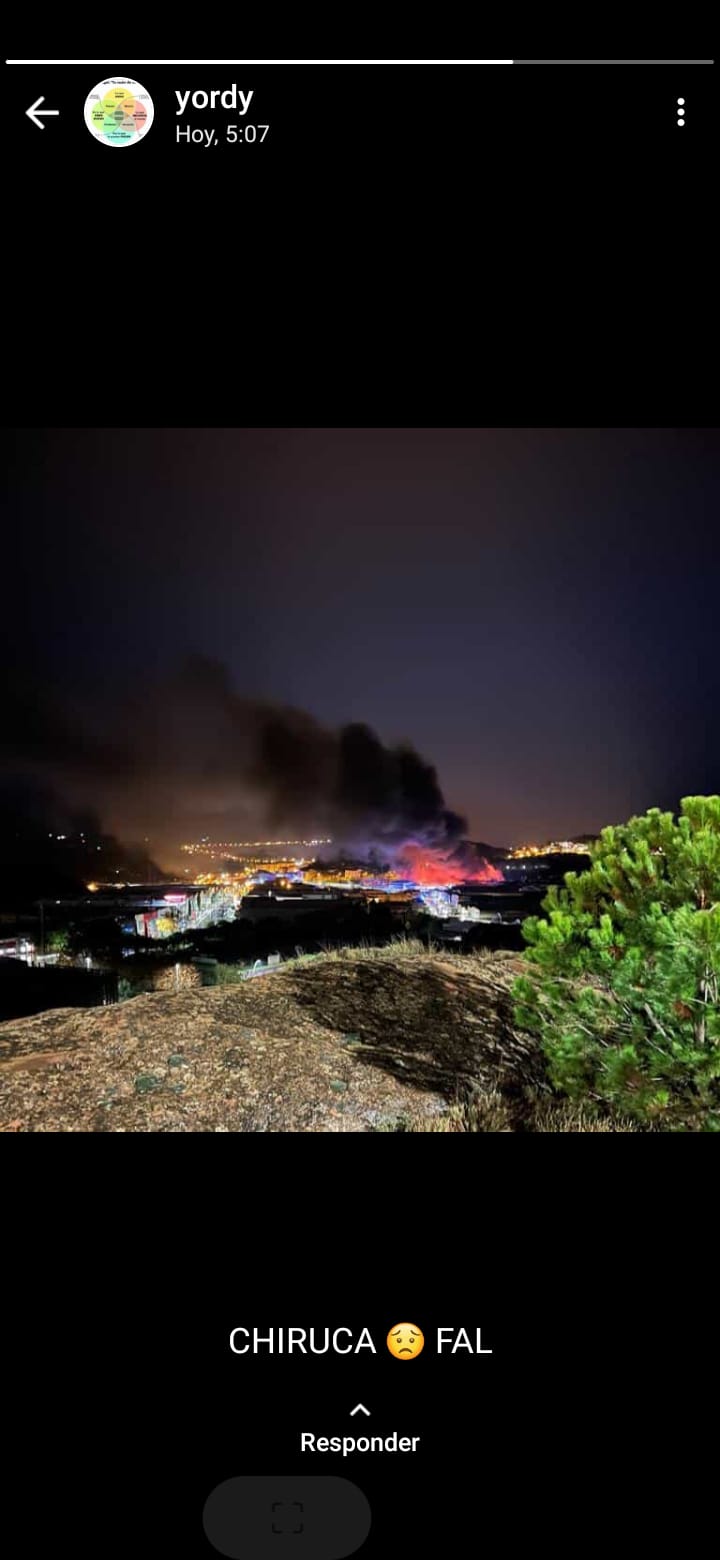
x=17, y=948
x=162, y=910
x=153, y=910
x=260, y=906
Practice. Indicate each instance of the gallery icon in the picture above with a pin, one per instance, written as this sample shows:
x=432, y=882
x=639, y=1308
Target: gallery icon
x=119, y=112
x=405, y=1341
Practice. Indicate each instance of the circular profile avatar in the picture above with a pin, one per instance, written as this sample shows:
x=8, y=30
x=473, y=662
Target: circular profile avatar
x=119, y=112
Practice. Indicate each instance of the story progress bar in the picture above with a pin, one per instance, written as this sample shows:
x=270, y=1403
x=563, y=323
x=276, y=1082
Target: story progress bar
x=365, y=62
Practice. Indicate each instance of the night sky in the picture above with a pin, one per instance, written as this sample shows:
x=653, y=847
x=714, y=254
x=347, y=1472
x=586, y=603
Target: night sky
x=535, y=611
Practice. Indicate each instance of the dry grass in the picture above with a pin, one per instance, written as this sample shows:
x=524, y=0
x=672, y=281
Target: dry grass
x=565, y=1116
x=398, y=948
x=488, y=1110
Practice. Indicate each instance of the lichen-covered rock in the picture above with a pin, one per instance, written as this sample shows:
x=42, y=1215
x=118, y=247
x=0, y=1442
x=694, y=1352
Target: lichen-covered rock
x=336, y=1044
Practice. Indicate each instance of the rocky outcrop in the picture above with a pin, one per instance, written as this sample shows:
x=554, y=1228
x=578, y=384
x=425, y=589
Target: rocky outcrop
x=340, y=1043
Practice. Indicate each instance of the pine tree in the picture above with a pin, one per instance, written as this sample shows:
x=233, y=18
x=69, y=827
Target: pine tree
x=624, y=970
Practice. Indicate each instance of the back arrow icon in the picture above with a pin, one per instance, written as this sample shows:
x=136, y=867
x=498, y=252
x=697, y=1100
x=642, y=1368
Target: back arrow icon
x=35, y=111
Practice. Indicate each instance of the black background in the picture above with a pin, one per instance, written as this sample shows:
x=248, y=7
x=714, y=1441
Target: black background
x=532, y=248
x=585, y=1268
x=409, y=244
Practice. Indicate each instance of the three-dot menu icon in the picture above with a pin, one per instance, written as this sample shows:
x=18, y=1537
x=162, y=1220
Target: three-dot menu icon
x=681, y=111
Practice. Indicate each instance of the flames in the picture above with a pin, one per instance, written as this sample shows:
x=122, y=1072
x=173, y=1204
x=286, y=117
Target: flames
x=407, y=867
x=431, y=868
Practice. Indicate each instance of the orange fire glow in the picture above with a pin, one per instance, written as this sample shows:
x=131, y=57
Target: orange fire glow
x=431, y=869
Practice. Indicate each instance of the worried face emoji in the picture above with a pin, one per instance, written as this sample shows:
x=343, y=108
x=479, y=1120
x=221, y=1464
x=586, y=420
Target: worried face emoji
x=405, y=1341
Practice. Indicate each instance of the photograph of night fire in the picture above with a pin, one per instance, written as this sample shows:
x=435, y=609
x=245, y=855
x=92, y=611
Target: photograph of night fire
x=360, y=780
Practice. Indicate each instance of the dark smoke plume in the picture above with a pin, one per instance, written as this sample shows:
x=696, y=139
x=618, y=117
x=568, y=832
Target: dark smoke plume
x=192, y=756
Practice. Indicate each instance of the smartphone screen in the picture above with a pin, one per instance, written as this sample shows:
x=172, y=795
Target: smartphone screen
x=359, y=779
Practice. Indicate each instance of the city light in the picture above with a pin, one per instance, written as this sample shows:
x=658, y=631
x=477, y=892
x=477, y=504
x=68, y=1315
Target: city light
x=552, y=848
x=206, y=845
x=428, y=883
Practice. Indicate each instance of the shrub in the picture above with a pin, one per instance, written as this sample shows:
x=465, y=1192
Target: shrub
x=624, y=971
